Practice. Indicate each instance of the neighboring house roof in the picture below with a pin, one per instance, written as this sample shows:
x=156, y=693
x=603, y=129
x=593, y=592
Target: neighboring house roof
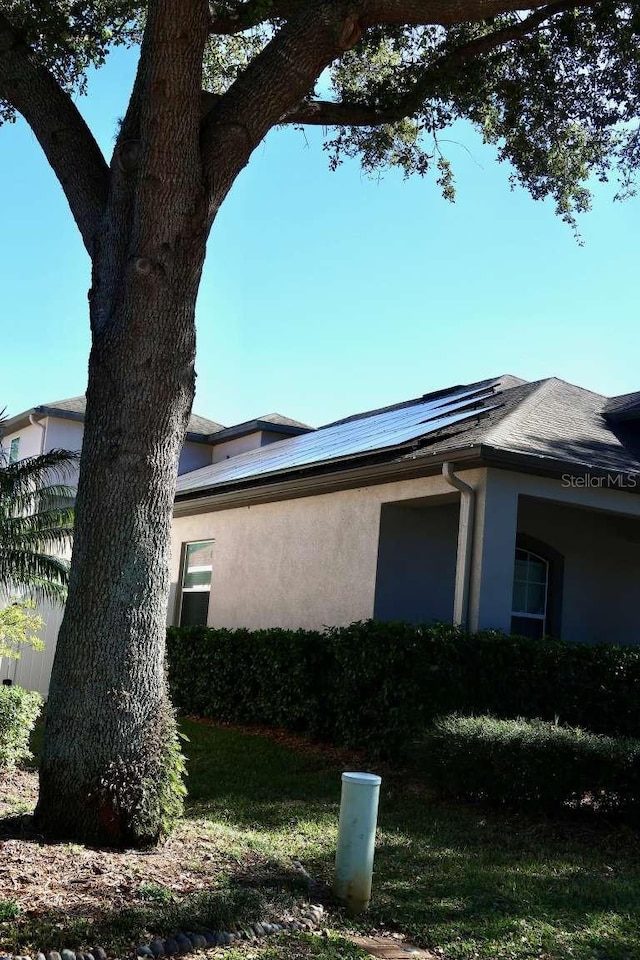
x=269, y=423
x=278, y=420
x=542, y=426
x=74, y=409
x=198, y=428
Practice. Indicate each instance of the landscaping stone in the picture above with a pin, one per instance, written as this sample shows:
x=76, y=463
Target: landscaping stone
x=186, y=942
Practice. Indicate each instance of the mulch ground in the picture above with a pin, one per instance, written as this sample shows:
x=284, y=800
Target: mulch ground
x=75, y=881
x=44, y=876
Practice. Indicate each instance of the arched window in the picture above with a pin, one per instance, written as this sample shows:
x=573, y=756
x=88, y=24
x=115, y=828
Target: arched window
x=530, y=589
x=536, y=605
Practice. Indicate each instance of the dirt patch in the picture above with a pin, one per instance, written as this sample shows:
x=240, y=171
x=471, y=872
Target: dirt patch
x=43, y=876
x=18, y=792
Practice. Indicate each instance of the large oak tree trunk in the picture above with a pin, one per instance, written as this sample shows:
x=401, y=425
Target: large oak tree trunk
x=109, y=736
x=109, y=732
x=109, y=724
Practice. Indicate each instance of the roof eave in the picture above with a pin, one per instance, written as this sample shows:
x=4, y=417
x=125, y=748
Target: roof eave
x=309, y=482
x=544, y=466
x=256, y=426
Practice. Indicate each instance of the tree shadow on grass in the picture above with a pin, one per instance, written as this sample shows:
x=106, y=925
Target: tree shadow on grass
x=470, y=882
x=83, y=924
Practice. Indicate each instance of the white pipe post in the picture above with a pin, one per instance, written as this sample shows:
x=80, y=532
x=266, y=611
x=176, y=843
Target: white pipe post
x=356, y=839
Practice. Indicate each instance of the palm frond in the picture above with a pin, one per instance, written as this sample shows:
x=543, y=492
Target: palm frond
x=36, y=523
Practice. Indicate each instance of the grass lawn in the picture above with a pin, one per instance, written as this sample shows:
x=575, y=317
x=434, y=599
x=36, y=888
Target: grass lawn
x=457, y=880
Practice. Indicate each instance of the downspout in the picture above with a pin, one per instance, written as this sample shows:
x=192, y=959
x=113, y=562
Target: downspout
x=465, y=545
x=36, y=423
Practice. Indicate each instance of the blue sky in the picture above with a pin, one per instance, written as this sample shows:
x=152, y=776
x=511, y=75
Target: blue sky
x=328, y=293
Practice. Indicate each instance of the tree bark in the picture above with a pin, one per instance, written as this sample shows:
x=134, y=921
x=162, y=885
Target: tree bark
x=107, y=710
x=109, y=731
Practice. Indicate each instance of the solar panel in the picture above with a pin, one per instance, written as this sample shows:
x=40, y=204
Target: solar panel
x=364, y=434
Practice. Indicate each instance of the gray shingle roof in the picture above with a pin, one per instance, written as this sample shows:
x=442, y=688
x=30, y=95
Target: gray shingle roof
x=545, y=424
x=624, y=407
x=279, y=420
x=554, y=422
x=76, y=406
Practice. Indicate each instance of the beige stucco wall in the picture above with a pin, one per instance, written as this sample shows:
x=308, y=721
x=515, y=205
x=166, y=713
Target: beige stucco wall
x=30, y=441
x=305, y=562
x=417, y=554
x=63, y=434
x=193, y=456
x=33, y=669
x=231, y=448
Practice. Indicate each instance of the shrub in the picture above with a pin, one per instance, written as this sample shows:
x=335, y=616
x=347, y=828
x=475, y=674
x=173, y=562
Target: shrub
x=19, y=626
x=379, y=685
x=530, y=763
x=274, y=677
x=19, y=710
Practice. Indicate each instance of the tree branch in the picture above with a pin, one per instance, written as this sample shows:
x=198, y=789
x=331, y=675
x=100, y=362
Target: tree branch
x=250, y=14
x=444, y=12
x=273, y=83
x=328, y=113
x=170, y=170
x=58, y=126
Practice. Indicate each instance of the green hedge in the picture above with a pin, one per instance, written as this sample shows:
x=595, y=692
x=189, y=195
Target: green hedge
x=530, y=763
x=19, y=710
x=380, y=685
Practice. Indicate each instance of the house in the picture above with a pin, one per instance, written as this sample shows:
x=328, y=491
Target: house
x=60, y=425
x=503, y=504
x=500, y=504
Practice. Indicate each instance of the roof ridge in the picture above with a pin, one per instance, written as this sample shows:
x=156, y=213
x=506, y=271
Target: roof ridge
x=535, y=386
x=576, y=386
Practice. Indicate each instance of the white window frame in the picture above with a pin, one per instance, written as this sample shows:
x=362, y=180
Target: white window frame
x=14, y=450
x=199, y=587
x=533, y=616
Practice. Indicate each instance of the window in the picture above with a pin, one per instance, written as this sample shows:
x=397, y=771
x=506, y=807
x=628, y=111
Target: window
x=13, y=449
x=196, y=583
x=530, y=595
